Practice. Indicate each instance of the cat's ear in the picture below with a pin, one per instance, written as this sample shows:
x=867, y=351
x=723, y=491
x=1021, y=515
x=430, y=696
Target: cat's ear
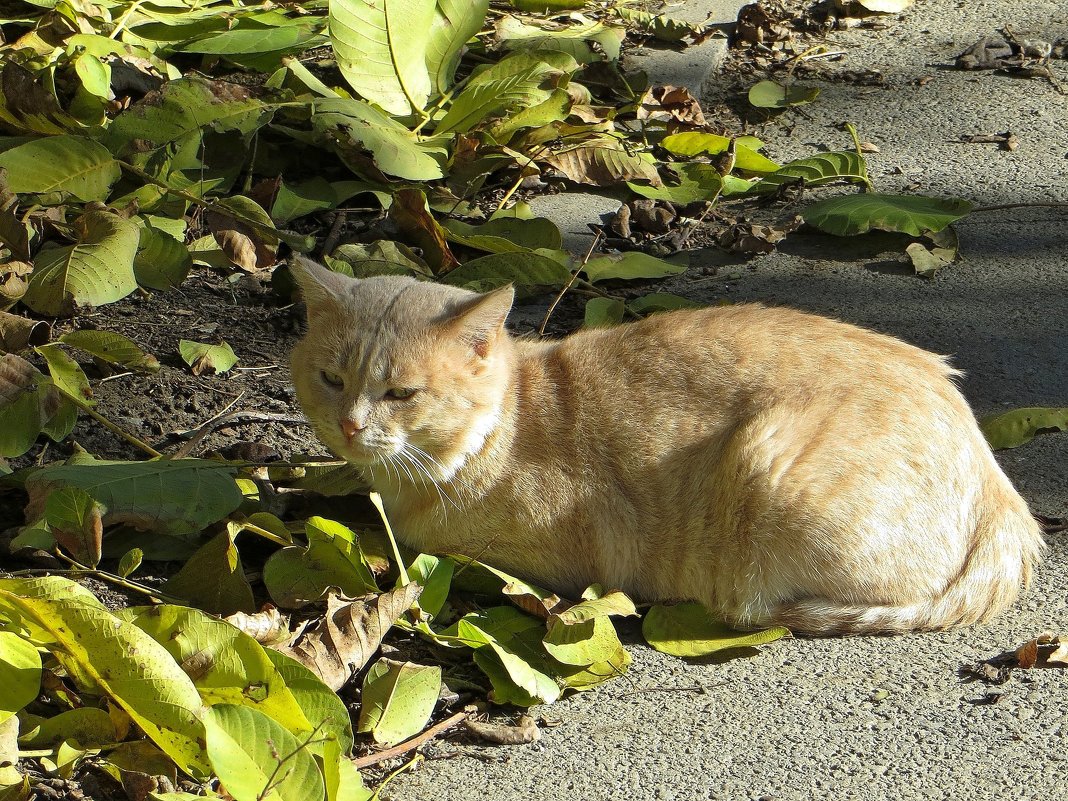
x=480, y=320
x=319, y=286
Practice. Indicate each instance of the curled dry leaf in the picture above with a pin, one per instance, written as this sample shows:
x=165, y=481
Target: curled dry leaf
x=14, y=278
x=267, y=627
x=17, y=333
x=249, y=249
x=350, y=633
x=524, y=731
x=746, y=237
x=1046, y=650
x=411, y=216
x=757, y=26
x=671, y=104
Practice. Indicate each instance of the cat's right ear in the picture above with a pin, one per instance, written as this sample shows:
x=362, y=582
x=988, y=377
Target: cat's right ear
x=319, y=286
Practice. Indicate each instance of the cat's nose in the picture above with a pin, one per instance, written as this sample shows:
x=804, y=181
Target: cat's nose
x=350, y=428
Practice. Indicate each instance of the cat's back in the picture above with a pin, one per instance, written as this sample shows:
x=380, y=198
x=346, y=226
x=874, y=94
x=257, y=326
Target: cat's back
x=720, y=354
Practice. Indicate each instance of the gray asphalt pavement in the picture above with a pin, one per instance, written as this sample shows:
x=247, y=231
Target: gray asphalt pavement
x=882, y=717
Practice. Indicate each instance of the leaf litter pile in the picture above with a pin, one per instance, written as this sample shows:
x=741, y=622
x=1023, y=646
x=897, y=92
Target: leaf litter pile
x=149, y=148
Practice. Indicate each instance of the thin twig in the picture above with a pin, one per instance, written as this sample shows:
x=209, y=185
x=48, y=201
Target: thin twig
x=1042, y=204
x=412, y=744
x=569, y=284
x=201, y=429
x=114, y=428
x=197, y=435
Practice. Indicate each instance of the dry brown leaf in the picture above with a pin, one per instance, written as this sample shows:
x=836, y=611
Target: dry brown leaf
x=603, y=162
x=267, y=627
x=1027, y=654
x=670, y=104
x=525, y=731
x=409, y=213
x=17, y=333
x=350, y=633
x=541, y=606
x=745, y=237
x=757, y=26
x=242, y=245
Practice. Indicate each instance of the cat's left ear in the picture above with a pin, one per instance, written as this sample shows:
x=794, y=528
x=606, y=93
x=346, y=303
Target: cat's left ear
x=480, y=321
x=319, y=286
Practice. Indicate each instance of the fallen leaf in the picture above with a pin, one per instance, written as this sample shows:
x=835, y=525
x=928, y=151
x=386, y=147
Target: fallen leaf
x=415, y=223
x=670, y=104
x=349, y=634
x=267, y=627
x=248, y=247
x=204, y=359
x=524, y=731
x=745, y=237
x=18, y=333
x=397, y=699
x=604, y=161
x=1027, y=654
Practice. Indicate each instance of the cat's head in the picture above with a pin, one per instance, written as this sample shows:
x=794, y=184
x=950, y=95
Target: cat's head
x=399, y=372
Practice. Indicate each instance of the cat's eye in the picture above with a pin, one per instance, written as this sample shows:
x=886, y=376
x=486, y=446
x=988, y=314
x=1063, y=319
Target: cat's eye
x=400, y=393
x=331, y=379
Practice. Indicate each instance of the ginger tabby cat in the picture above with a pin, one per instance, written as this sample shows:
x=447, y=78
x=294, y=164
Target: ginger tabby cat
x=779, y=467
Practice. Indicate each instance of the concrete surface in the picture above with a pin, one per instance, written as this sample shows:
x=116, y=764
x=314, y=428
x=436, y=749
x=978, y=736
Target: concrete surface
x=883, y=717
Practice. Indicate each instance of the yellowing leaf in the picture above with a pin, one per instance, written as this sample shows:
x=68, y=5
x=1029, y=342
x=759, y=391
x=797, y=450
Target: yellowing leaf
x=20, y=673
x=688, y=630
x=204, y=359
x=94, y=647
x=246, y=749
x=397, y=699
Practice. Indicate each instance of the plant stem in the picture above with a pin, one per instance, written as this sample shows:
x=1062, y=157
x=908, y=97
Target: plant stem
x=267, y=535
x=155, y=595
x=412, y=744
x=376, y=499
x=115, y=429
x=569, y=284
x=1052, y=204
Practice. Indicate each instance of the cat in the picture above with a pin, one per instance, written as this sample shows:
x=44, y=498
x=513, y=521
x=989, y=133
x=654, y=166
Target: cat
x=779, y=467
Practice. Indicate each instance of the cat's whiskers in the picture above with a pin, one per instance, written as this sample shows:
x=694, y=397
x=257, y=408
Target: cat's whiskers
x=454, y=479
x=412, y=454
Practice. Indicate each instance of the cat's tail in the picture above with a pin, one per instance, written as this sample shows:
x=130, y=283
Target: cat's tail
x=1007, y=545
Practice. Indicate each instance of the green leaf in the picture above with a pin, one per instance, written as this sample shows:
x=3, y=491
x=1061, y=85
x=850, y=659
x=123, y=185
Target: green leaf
x=130, y=561
x=928, y=261
x=517, y=81
x=75, y=520
x=455, y=22
x=769, y=94
x=508, y=648
x=397, y=699
x=185, y=109
x=434, y=575
x=204, y=359
x=687, y=630
x=611, y=603
x=96, y=271
x=213, y=578
x=1018, y=427
x=296, y=576
x=591, y=642
x=523, y=269
x=68, y=165
x=246, y=748
x=177, y=497
x=20, y=673
x=243, y=41
x=29, y=404
x=555, y=108
x=697, y=182
x=586, y=42
x=111, y=347
x=660, y=301
x=321, y=706
x=380, y=49
x=87, y=727
x=94, y=647
x=661, y=27
x=629, y=266
x=356, y=127
x=823, y=168
x=909, y=214
x=66, y=373
x=162, y=260
x=383, y=257
x=227, y=665
x=601, y=312
x=693, y=143
x=505, y=234
x=94, y=74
